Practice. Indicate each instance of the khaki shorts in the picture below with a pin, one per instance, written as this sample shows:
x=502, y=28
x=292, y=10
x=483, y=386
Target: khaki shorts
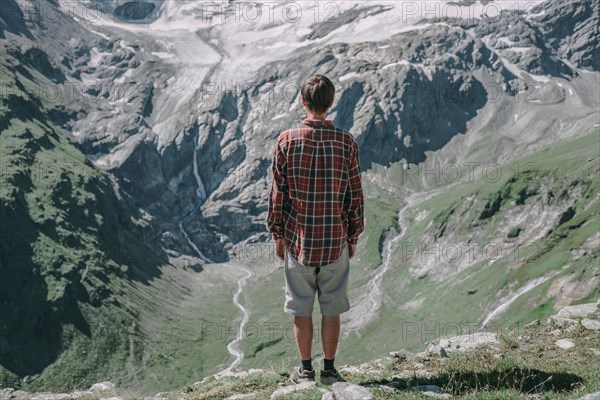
x=329, y=281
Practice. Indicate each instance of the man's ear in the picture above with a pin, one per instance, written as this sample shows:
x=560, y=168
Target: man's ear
x=304, y=103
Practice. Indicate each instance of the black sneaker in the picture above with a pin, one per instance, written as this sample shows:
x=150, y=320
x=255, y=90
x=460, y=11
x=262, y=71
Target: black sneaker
x=329, y=376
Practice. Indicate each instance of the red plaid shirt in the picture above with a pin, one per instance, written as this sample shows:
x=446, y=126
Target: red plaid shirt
x=316, y=198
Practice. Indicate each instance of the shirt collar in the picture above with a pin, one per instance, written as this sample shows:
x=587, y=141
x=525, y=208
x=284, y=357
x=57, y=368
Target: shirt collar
x=317, y=122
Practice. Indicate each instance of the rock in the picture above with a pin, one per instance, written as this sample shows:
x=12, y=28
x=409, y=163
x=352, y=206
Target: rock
x=570, y=314
x=81, y=394
x=535, y=322
x=432, y=391
x=555, y=332
x=50, y=396
x=328, y=396
x=423, y=374
x=591, y=396
x=562, y=322
x=414, y=374
x=442, y=353
x=111, y=398
x=351, y=370
x=102, y=386
x=240, y=396
x=349, y=391
x=468, y=342
x=403, y=355
x=286, y=390
x=398, y=354
x=439, y=351
x=565, y=343
x=255, y=371
x=10, y=393
x=591, y=324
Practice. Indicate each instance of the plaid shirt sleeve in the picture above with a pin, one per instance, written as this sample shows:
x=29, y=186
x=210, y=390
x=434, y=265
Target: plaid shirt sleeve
x=353, y=201
x=278, y=193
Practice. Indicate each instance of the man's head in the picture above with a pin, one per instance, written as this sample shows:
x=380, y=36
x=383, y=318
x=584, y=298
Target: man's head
x=318, y=92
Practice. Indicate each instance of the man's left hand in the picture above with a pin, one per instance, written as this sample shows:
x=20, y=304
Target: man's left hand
x=280, y=248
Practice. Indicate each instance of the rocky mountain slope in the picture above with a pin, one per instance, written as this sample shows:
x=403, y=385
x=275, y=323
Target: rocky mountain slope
x=478, y=142
x=77, y=274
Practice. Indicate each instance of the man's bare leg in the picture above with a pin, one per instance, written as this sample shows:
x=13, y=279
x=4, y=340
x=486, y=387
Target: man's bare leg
x=330, y=334
x=303, y=330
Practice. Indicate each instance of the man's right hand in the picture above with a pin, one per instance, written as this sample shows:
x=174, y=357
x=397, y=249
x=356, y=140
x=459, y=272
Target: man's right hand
x=351, y=250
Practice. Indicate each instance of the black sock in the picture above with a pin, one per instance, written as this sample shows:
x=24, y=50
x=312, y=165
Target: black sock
x=328, y=364
x=307, y=364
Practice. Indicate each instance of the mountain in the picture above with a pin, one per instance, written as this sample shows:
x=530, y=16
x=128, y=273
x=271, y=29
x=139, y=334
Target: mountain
x=478, y=139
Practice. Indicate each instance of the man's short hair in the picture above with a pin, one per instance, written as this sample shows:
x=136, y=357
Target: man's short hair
x=318, y=92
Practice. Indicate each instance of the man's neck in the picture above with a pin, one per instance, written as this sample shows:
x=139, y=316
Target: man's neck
x=312, y=115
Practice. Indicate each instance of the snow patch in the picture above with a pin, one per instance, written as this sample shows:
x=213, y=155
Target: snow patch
x=349, y=75
x=162, y=55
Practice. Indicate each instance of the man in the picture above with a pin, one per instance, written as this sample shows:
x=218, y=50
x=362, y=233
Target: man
x=316, y=216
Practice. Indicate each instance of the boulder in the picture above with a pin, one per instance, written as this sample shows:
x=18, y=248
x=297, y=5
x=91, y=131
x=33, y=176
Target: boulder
x=287, y=390
x=570, y=314
x=102, y=386
x=349, y=391
x=468, y=342
x=328, y=396
x=591, y=324
x=242, y=396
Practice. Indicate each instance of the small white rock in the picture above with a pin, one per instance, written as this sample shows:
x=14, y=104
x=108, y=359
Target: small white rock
x=241, y=396
x=591, y=396
x=591, y=324
x=351, y=370
x=565, y=343
x=285, y=390
x=102, y=386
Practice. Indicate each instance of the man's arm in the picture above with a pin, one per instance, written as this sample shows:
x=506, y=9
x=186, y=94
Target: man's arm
x=278, y=193
x=353, y=201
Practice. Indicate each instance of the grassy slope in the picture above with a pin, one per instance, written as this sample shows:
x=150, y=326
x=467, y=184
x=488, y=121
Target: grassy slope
x=82, y=298
x=446, y=307
x=527, y=361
